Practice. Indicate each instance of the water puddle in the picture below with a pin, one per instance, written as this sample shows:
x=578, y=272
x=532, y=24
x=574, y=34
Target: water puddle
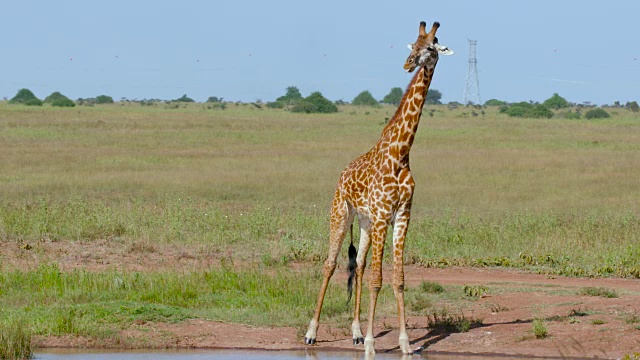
x=83, y=354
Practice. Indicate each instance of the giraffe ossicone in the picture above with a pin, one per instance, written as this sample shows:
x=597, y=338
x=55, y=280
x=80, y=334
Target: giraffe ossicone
x=377, y=187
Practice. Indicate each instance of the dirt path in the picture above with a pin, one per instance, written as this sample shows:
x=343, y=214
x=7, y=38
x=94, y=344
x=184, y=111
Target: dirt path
x=578, y=325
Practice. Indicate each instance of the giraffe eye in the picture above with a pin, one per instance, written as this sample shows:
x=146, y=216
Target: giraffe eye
x=410, y=61
x=430, y=48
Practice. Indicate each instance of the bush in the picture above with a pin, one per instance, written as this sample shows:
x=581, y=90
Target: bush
x=56, y=95
x=292, y=96
x=33, y=102
x=364, y=99
x=633, y=106
x=393, y=97
x=275, y=105
x=25, y=97
x=433, y=97
x=556, y=102
x=57, y=99
x=184, y=98
x=63, y=102
x=322, y=104
x=597, y=113
x=495, y=102
x=572, y=115
x=527, y=110
x=304, y=106
x=104, y=99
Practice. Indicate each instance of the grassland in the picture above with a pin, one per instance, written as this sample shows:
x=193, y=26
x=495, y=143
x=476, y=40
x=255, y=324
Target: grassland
x=253, y=187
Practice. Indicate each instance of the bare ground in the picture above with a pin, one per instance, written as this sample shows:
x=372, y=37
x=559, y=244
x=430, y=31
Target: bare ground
x=578, y=325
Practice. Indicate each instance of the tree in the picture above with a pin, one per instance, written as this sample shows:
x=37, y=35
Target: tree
x=214, y=99
x=63, y=102
x=393, y=97
x=433, y=97
x=104, y=99
x=495, y=102
x=597, y=113
x=364, y=99
x=633, y=106
x=25, y=97
x=556, y=102
x=54, y=96
x=293, y=95
x=314, y=103
x=184, y=98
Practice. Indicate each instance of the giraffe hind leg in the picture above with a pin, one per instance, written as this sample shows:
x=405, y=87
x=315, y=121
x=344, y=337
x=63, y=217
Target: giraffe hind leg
x=342, y=215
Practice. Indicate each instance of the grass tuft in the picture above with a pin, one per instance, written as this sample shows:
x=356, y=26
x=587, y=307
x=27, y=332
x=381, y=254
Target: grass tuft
x=598, y=291
x=539, y=329
x=15, y=340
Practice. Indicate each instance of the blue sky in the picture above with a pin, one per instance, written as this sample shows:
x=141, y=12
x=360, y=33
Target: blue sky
x=249, y=50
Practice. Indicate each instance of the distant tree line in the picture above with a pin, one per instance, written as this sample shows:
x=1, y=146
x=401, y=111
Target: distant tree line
x=315, y=102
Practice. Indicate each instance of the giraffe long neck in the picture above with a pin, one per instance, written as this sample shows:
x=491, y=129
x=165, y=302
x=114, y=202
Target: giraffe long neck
x=400, y=132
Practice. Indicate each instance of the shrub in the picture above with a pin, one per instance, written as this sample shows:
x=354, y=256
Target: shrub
x=63, y=102
x=57, y=99
x=214, y=99
x=304, y=106
x=527, y=110
x=556, y=102
x=25, y=97
x=597, y=113
x=322, y=104
x=364, y=99
x=433, y=97
x=633, y=106
x=292, y=96
x=104, y=99
x=393, y=97
x=56, y=95
x=495, y=102
x=275, y=105
x=539, y=329
x=572, y=115
x=183, y=98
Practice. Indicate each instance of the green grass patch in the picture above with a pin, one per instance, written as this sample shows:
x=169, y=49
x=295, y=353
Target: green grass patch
x=15, y=340
x=539, y=329
x=99, y=304
x=598, y=291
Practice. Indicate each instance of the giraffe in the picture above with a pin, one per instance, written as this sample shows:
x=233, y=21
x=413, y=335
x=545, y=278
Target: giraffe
x=378, y=188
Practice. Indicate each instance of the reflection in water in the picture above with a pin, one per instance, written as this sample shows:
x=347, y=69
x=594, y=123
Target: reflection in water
x=242, y=354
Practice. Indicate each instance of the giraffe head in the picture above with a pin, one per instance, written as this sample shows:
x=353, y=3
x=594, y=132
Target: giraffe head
x=424, y=52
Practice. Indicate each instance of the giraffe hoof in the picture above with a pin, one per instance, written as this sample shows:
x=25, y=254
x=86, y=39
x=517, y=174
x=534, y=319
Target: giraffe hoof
x=358, y=340
x=309, y=341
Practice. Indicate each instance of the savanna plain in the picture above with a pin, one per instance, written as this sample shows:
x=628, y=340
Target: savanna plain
x=128, y=226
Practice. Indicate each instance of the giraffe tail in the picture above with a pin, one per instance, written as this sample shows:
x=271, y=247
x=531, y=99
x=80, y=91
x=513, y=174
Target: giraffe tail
x=351, y=267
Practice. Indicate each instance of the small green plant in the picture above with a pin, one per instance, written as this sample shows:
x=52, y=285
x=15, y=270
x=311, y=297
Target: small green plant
x=431, y=287
x=634, y=356
x=476, y=291
x=445, y=321
x=15, y=341
x=577, y=312
x=597, y=321
x=597, y=113
x=539, y=329
x=598, y=291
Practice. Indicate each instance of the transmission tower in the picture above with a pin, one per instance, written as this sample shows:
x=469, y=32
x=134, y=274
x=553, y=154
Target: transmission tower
x=472, y=88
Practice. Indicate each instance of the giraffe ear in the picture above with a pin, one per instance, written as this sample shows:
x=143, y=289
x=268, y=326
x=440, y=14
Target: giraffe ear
x=443, y=49
x=410, y=46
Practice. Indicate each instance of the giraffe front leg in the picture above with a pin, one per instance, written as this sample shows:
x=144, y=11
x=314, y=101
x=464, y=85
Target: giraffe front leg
x=399, y=233
x=378, y=234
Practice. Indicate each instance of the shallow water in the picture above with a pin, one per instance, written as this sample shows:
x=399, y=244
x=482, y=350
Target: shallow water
x=239, y=354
